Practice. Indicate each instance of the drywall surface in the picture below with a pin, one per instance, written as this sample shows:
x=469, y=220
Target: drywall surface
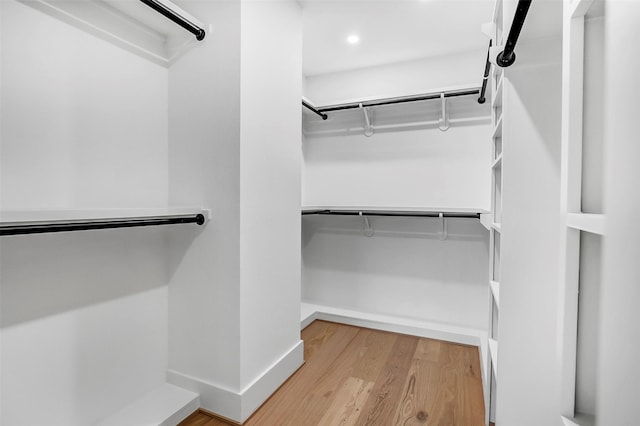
x=424, y=167
x=528, y=325
x=619, y=337
x=204, y=158
x=235, y=286
x=404, y=269
x=83, y=315
x=270, y=183
x=403, y=78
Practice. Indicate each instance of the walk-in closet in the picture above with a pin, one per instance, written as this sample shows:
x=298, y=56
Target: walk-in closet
x=319, y=212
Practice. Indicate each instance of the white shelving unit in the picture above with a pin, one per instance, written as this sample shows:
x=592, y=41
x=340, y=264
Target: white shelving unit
x=497, y=79
x=581, y=201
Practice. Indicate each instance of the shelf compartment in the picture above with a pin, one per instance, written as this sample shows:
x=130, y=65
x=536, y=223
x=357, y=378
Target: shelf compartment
x=593, y=223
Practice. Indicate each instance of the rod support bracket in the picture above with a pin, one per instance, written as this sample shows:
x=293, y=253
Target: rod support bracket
x=368, y=229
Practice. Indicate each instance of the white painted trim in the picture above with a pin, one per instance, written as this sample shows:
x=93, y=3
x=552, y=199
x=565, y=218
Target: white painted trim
x=497, y=131
x=431, y=330
x=486, y=219
x=239, y=405
x=166, y=405
x=594, y=223
x=396, y=209
x=579, y=8
x=258, y=391
x=579, y=420
x=493, y=350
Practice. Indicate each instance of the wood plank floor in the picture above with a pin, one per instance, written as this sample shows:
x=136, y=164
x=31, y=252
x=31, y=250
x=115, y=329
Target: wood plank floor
x=358, y=376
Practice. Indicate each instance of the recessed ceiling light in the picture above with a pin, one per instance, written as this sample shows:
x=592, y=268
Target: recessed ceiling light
x=353, y=39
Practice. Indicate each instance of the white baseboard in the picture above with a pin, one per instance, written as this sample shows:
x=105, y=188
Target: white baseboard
x=238, y=406
x=428, y=329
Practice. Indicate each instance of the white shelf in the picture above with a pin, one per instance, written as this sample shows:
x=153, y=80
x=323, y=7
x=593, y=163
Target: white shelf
x=486, y=219
x=497, y=131
x=495, y=291
x=497, y=97
x=497, y=162
x=594, y=223
x=401, y=111
x=394, y=209
x=130, y=25
x=429, y=329
x=497, y=226
x=579, y=420
x=165, y=405
x=493, y=351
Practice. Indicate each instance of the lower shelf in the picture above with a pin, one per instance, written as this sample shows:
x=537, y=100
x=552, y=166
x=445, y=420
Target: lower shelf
x=166, y=405
x=580, y=419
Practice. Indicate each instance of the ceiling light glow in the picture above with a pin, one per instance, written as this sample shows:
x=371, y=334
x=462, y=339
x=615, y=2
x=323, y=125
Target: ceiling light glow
x=353, y=39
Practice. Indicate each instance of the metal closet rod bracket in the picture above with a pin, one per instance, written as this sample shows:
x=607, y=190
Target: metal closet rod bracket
x=368, y=127
x=368, y=229
x=177, y=17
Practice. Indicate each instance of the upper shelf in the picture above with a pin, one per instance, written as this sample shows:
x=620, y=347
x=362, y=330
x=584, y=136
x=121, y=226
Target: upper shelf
x=395, y=211
x=132, y=25
x=385, y=114
x=15, y=222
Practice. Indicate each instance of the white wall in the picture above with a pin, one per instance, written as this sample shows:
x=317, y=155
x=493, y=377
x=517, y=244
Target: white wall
x=271, y=89
x=401, y=168
x=84, y=315
x=619, y=338
x=404, y=78
x=528, y=385
x=234, y=136
x=204, y=155
x=403, y=270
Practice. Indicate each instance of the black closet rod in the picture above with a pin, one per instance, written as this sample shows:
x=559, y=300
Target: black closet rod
x=392, y=101
x=507, y=57
x=401, y=214
x=40, y=228
x=485, y=78
x=324, y=116
x=175, y=17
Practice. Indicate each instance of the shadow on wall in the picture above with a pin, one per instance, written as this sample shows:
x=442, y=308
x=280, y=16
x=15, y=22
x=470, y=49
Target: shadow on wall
x=47, y=274
x=399, y=246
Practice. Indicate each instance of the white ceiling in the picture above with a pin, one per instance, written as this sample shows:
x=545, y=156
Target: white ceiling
x=389, y=30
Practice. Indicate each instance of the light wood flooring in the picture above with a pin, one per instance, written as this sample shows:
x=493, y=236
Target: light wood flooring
x=358, y=376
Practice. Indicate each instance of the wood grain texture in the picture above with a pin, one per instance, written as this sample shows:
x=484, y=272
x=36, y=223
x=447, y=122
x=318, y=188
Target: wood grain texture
x=357, y=376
